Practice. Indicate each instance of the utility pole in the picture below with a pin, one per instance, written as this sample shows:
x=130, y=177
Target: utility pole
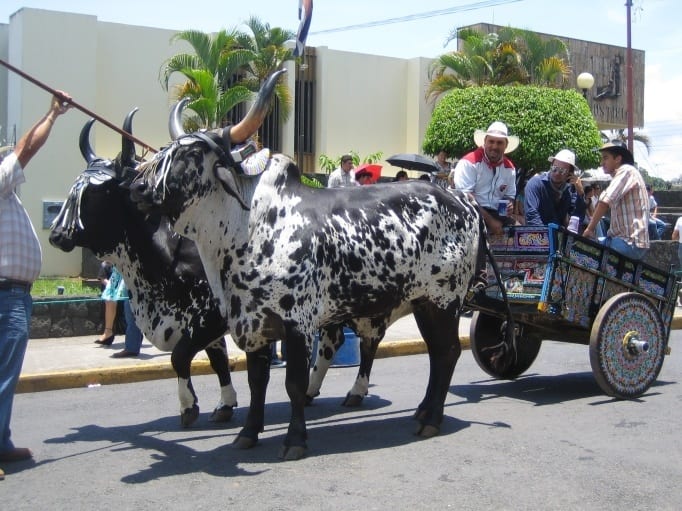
x=628, y=64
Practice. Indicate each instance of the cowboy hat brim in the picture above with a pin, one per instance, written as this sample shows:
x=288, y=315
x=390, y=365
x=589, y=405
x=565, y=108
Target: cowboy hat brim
x=512, y=141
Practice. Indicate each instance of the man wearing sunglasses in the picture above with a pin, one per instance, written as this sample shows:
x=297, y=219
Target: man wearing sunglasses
x=548, y=197
x=627, y=200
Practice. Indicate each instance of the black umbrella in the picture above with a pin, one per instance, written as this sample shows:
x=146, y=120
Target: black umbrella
x=413, y=161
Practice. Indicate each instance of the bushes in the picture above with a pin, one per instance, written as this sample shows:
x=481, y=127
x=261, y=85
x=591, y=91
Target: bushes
x=545, y=119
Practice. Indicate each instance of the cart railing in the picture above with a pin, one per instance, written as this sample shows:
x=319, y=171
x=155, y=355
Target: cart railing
x=565, y=276
x=582, y=274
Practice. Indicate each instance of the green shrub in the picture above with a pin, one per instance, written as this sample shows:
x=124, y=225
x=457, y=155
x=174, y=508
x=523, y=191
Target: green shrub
x=546, y=120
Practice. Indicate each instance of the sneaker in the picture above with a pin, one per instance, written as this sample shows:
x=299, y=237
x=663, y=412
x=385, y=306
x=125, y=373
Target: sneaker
x=275, y=362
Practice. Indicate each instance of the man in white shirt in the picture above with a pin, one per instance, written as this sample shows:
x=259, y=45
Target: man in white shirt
x=344, y=175
x=487, y=176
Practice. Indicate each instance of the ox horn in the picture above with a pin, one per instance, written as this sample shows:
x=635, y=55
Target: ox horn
x=84, y=143
x=254, y=118
x=127, y=145
x=175, y=128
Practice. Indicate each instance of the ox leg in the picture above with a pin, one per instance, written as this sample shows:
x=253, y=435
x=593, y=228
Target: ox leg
x=331, y=339
x=368, y=351
x=258, y=370
x=298, y=366
x=440, y=330
x=220, y=363
x=181, y=359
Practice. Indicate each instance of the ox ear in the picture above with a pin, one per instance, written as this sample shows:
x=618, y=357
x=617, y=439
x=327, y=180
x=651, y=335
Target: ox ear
x=226, y=178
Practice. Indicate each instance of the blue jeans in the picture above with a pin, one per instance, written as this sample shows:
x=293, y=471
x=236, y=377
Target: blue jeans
x=621, y=246
x=15, y=318
x=133, y=334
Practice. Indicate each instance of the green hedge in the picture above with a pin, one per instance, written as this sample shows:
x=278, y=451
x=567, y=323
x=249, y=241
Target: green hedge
x=545, y=119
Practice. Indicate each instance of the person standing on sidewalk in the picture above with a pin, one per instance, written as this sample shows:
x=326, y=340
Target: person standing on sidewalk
x=20, y=261
x=116, y=291
x=106, y=270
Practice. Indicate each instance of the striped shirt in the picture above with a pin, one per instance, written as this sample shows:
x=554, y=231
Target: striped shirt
x=20, y=255
x=628, y=200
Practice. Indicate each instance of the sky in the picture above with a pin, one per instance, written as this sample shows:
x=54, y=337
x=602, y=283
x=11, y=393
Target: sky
x=399, y=28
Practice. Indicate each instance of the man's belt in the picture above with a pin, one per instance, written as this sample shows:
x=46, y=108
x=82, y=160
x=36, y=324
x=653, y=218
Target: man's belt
x=7, y=284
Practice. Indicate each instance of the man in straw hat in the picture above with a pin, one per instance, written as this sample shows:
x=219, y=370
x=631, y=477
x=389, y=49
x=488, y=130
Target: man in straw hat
x=627, y=198
x=547, y=196
x=488, y=177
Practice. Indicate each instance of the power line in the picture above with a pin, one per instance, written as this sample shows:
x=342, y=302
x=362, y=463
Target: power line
x=418, y=16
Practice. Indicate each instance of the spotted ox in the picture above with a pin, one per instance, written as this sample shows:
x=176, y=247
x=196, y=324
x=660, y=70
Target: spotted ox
x=286, y=260
x=170, y=296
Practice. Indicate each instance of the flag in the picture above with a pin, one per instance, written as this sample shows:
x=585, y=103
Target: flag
x=307, y=6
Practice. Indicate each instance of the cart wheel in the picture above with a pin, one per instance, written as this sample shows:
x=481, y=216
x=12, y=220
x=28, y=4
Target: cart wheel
x=627, y=345
x=487, y=331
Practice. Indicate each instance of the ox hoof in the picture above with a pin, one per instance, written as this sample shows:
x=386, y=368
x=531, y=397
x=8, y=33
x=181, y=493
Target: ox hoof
x=243, y=442
x=309, y=399
x=427, y=430
x=292, y=452
x=352, y=400
x=222, y=414
x=189, y=416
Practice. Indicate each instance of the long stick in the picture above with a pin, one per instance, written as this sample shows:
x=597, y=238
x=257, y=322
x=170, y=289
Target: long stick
x=79, y=107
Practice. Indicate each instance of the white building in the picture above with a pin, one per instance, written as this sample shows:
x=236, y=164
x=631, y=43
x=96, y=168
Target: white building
x=363, y=102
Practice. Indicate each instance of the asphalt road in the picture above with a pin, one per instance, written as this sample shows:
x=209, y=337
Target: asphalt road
x=550, y=440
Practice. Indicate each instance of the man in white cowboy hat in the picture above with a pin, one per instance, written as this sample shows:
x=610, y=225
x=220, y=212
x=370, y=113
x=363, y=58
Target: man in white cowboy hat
x=627, y=199
x=487, y=176
x=548, y=198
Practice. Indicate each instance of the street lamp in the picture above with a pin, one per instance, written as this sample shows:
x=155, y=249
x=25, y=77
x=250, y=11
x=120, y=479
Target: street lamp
x=585, y=81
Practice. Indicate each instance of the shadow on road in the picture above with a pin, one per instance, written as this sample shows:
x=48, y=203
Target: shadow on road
x=172, y=451
x=541, y=390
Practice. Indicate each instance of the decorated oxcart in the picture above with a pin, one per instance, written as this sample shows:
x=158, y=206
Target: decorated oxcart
x=552, y=284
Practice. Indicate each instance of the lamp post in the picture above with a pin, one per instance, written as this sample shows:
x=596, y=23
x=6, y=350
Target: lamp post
x=300, y=105
x=585, y=82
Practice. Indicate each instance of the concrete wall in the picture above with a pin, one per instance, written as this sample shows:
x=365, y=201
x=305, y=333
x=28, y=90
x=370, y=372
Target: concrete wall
x=108, y=69
x=368, y=103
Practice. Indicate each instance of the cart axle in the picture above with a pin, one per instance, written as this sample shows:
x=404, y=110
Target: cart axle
x=634, y=346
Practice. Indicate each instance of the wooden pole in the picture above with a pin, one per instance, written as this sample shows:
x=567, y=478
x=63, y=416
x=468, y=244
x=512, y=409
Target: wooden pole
x=76, y=105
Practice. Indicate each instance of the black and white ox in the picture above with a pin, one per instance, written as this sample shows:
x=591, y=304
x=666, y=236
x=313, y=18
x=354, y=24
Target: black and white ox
x=170, y=296
x=287, y=260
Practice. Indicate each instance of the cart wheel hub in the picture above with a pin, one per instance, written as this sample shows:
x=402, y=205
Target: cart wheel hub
x=633, y=345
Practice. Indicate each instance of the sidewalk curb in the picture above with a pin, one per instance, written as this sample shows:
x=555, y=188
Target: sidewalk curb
x=145, y=372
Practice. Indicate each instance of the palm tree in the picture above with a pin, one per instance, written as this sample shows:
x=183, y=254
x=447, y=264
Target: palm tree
x=226, y=69
x=621, y=135
x=483, y=60
x=210, y=73
x=545, y=60
x=510, y=57
x=267, y=47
